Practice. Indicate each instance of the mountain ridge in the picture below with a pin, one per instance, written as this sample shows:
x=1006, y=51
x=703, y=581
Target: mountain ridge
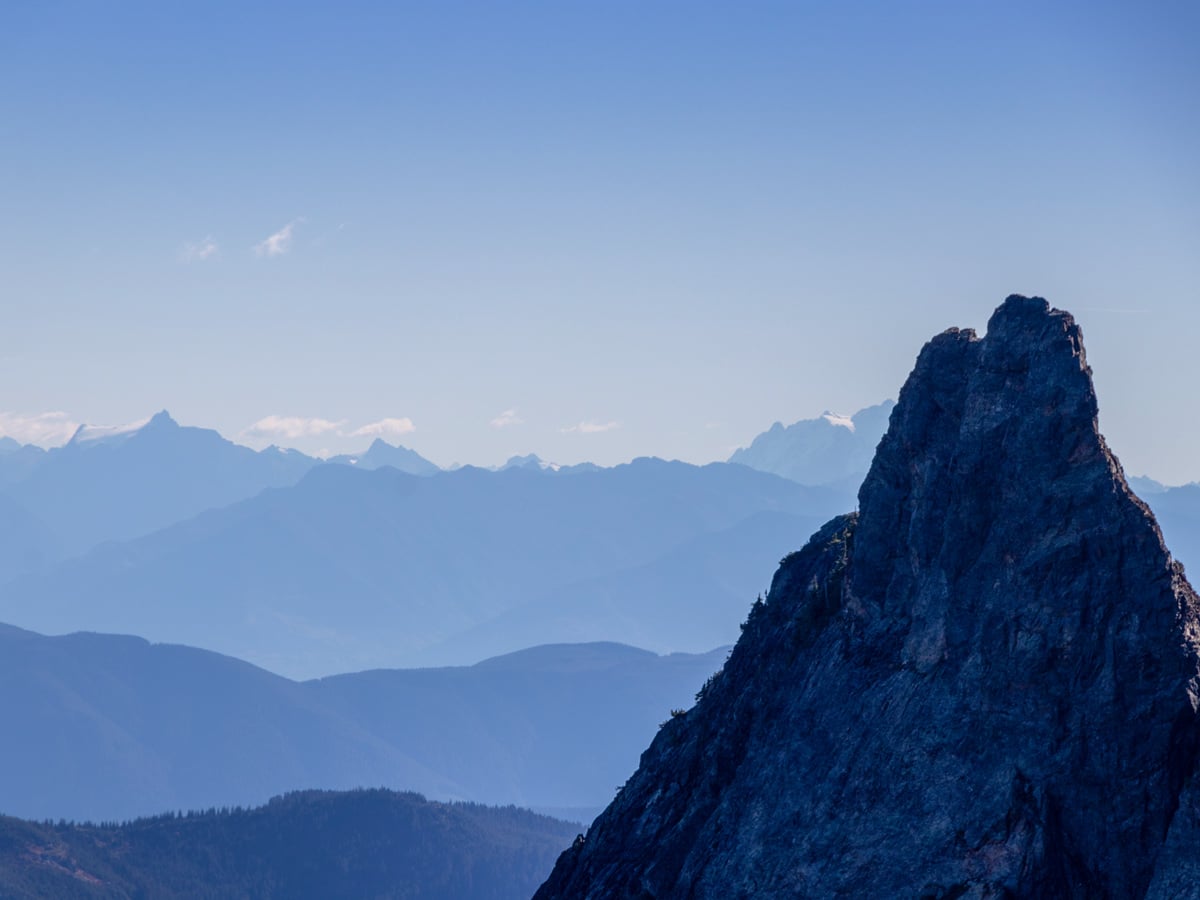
x=123, y=482
x=108, y=727
x=420, y=559
x=319, y=844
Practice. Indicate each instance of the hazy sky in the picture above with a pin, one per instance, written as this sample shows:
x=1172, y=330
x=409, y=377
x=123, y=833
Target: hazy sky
x=589, y=230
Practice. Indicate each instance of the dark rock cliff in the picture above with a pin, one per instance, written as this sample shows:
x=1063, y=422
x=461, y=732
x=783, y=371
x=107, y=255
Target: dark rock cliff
x=983, y=684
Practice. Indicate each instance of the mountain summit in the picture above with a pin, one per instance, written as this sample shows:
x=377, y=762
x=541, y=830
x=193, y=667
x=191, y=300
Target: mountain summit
x=116, y=482
x=831, y=449
x=381, y=454
x=983, y=684
x=92, y=435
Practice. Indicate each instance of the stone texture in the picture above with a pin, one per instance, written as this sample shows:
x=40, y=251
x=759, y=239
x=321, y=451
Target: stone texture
x=983, y=684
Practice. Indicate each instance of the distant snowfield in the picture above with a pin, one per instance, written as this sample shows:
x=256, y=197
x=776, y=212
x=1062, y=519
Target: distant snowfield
x=840, y=421
x=92, y=434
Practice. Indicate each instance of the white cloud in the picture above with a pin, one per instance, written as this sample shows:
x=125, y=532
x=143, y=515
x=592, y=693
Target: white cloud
x=47, y=429
x=507, y=418
x=385, y=428
x=199, y=251
x=278, y=243
x=292, y=427
x=298, y=427
x=590, y=427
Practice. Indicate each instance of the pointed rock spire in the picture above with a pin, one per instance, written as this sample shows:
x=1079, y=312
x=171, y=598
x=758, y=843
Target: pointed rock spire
x=983, y=684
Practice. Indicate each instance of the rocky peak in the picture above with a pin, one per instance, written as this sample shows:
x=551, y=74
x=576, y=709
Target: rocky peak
x=984, y=684
x=161, y=421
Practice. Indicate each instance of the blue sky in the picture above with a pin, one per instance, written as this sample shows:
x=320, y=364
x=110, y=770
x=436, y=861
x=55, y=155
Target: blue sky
x=589, y=230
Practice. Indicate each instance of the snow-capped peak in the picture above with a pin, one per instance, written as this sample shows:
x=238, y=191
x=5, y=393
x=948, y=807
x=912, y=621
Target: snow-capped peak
x=94, y=434
x=839, y=421
x=114, y=434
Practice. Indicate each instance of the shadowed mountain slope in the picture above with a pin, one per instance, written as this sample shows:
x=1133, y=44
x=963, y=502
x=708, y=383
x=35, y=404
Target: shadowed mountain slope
x=691, y=597
x=110, y=727
x=984, y=684
x=27, y=544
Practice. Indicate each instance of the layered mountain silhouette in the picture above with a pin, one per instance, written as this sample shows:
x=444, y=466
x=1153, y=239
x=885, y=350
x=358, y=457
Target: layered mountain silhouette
x=829, y=450
x=104, y=727
x=983, y=684
x=354, y=569
x=692, y=596
x=311, y=844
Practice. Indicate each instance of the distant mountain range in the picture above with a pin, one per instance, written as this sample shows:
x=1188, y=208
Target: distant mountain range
x=692, y=596
x=309, y=568
x=110, y=727
x=364, y=562
x=352, y=569
x=114, y=484
x=109, y=484
x=830, y=450
x=313, y=844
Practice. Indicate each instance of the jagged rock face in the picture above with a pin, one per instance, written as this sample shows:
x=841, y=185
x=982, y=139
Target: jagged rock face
x=984, y=684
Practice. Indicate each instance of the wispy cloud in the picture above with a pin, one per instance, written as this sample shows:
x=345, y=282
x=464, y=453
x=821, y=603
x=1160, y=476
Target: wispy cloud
x=385, y=428
x=292, y=427
x=278, y=243
x=507, y=418
x=590, y=427
x=199, y=251
x=299, y=427
x=47, y=428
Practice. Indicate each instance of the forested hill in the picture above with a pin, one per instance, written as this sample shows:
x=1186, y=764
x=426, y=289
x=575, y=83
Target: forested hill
x=322, y=844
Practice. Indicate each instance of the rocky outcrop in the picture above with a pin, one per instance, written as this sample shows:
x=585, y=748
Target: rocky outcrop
x=983, y=684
